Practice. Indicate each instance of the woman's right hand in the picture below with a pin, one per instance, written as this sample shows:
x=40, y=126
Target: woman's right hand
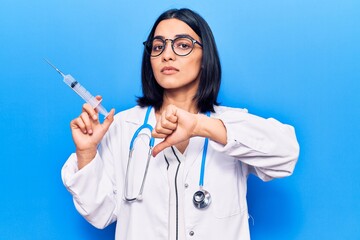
x=87, y=132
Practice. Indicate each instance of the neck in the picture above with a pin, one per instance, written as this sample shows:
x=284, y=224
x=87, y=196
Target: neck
x=185, y=102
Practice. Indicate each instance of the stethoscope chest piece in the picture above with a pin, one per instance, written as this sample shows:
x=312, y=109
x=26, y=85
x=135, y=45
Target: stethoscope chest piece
x=201, y=199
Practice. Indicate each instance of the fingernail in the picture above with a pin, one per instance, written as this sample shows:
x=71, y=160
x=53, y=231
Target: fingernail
x=90, y=131
x=95, y=117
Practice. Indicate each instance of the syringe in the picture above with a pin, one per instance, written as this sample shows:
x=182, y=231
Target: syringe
x=81, y=91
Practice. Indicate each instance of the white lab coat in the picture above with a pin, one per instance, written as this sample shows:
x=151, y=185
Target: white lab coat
x=264, y=147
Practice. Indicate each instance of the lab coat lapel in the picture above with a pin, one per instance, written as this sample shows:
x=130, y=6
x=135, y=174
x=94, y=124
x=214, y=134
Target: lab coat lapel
x=138, y=117
x=193, y=154
x=159, y=160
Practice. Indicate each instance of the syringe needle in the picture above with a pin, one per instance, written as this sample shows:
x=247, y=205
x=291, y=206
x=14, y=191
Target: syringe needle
x=81, y=91
x=54, y=67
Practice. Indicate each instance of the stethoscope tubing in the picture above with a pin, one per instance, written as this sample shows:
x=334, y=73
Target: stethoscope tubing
x=145, y=125
x=203, y=159
x=201, y=198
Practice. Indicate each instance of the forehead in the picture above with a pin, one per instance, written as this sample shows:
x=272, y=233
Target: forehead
x=169, y=28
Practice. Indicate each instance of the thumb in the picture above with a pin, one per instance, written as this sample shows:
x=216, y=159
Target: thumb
x=158, y=148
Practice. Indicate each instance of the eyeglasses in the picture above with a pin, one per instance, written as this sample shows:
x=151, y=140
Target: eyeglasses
x=181, y=46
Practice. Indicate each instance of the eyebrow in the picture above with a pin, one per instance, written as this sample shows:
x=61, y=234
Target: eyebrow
x=176, y=36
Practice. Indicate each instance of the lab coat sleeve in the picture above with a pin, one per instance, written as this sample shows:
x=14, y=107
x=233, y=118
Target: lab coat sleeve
x=93, y=187
x=266, y=147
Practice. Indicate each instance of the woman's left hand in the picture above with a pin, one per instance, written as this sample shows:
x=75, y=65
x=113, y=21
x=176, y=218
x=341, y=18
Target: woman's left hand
x=175, y=126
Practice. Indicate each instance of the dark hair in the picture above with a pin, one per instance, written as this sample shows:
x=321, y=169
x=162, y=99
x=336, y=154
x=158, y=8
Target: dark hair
x=210, y=77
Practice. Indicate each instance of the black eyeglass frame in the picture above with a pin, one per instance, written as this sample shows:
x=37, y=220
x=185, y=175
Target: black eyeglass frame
x=148, y=45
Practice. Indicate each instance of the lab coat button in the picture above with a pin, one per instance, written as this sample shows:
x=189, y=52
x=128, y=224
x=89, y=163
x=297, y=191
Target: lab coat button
x=191, y=233
x=186, y=185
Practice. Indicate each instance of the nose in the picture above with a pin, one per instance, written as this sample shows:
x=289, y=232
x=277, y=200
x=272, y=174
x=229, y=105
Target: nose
x=168, y=53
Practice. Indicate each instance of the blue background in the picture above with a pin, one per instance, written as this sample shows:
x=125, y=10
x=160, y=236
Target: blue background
x=295, y=60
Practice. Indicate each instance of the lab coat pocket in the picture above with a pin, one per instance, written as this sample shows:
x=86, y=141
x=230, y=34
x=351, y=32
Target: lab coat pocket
x=227, y=188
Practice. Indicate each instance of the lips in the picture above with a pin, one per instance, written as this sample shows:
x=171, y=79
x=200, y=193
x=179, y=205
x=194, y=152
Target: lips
x=169, y=70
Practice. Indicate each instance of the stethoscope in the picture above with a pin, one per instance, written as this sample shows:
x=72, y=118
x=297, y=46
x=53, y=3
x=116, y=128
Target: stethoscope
x=201, y=198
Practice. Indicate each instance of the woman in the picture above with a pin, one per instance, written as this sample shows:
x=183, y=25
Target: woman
x=180, y=82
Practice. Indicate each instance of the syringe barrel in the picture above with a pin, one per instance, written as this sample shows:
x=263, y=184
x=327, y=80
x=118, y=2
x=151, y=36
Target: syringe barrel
x=84, y=94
